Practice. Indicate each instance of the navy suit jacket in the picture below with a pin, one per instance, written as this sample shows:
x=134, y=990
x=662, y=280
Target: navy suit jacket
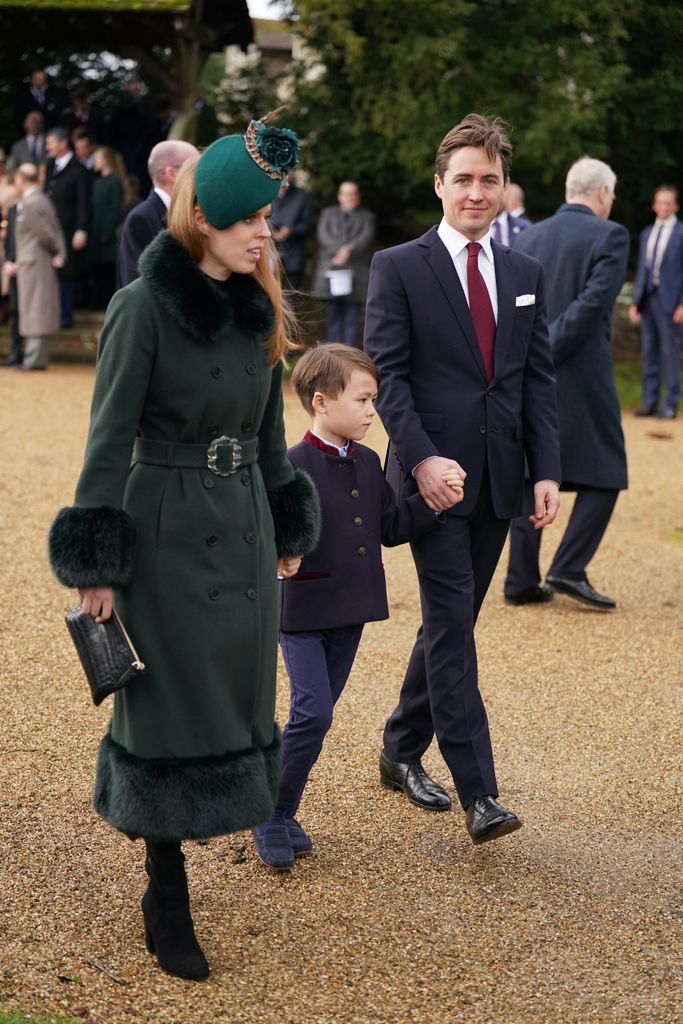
x=670, y=290
x=141, y=226
x=434, y=398
x=342, y=582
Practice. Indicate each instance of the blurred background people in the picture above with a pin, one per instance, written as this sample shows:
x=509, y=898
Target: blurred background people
x=38, y=95
x=8, y=284
x=82, y=115
x=514, y=200
x=30, y=149
x=107, y=200
x=658, y=305
x=505, y=228
x=40, y=251
x=584, y=258
x=346, y=236
x=133, y=130
x=147, y=219
x=84, y=149
x=291, y=221
x=66, y=184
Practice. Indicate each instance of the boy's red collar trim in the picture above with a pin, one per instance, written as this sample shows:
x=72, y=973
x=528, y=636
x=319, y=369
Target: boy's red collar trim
x=315, y=441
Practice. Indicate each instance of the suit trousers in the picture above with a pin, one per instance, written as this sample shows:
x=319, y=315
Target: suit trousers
x=318, y=664
x=15, y=338
x=586, y=527
x=440, y=693
x=660, y=354
x=342, y=321
x=67, y=296
x=36, y=355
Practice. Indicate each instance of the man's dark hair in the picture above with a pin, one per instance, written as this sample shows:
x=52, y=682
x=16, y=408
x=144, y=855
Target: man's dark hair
x=667, y=188
x=59, y=132
x=327, y=368
x=475, y=130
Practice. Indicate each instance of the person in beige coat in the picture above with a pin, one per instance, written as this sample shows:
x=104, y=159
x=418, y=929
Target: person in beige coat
x=41, y=251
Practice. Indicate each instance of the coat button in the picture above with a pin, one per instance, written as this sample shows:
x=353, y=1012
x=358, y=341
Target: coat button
x=489, y=391
x=216, y=371
x=214, y=429
x=482, y=430
x=355, y=493
x=358, y=521
x=214, y=593
x=247, y=426
x=250, y=537
x=212, y=541
x=250, y=367
x=209, y=482
x=251, y=593
x=246, y=479
x=362, y=551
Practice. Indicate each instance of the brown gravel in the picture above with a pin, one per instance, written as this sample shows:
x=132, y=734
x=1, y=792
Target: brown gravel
x=396, y=917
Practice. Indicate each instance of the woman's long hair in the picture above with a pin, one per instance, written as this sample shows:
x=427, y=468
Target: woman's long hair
x=117, y=167
x=183, y=226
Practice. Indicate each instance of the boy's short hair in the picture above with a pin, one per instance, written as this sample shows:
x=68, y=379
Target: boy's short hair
x=327, y=368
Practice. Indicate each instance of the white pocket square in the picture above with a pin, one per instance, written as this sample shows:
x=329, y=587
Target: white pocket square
x=525, y=300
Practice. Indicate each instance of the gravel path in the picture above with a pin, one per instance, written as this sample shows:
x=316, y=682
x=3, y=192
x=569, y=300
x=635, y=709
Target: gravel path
x=396, y=917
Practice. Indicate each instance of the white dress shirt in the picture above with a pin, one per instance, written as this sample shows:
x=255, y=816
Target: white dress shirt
x=62, y=161
x=164, y=196
x=457, y=248
x=343, y=450
x=661, y=230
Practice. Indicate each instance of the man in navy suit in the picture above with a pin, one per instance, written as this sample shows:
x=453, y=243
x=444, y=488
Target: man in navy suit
x=506, y=229
x=457, y=326
x=148, y=218
x=658, y=304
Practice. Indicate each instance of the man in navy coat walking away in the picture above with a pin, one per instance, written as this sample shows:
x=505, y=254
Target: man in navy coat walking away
x=658, y=304
x=457, y=325
x=584, y=256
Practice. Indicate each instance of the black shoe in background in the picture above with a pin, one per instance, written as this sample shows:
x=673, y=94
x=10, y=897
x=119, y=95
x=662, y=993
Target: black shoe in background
x=532, y=595
x=582, y=591
x=486, y=820
x=413, y=780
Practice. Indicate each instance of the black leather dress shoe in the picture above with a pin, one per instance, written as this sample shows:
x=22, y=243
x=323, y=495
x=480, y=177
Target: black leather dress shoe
x=645, y=411
x=532, y=595
x=582, y=591
x=487, y=820
x=667, y=414
x=413, y=780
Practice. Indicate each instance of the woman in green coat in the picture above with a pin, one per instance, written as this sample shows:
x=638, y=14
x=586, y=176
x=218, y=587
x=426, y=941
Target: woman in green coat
x=106, y=214
x=185, y=512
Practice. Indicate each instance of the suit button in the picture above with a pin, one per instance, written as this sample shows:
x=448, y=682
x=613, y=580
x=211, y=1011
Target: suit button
x=362, y=552
x=358, y=521
x=250, y=537
x=213, y=429
x=209, y=482
x=214, y=593
x=251, y=593
x=489, y=391
x=246, y=479
x=482, y=430
x=250, y=367
x=216, y=372
x=212, y=541
x=355, y=493
x=247, y=426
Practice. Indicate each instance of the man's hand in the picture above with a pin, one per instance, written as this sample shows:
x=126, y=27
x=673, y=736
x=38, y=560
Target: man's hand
x=10, y=268
x=79, y=240
x=289, y=566
x=58, y=262
x=281, y=234
x=436, y=492
x=342, y=256
x=546, y=503
x=633, y=314
x=678, y=314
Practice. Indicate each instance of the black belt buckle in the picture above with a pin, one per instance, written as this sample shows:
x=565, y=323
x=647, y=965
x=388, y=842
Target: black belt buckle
x=220, y=445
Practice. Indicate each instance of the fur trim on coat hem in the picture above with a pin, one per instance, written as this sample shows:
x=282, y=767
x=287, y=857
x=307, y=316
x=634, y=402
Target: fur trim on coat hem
x=192, y=798
x=296, y=515
x=92, y=547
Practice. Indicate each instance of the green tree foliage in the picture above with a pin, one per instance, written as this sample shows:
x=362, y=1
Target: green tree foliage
x=385, y=80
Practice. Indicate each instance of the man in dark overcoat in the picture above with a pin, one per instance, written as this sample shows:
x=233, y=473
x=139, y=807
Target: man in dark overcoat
x=68, y=186
x=457, y=326
x=292, y=220
x=584, y=258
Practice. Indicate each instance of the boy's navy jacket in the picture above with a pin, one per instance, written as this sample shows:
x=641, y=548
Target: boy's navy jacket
x=342, y=582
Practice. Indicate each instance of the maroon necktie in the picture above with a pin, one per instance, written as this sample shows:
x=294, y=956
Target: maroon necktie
x=481, y=308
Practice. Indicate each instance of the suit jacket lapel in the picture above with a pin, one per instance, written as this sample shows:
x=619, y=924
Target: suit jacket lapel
x=506, y=307
x=439, y=259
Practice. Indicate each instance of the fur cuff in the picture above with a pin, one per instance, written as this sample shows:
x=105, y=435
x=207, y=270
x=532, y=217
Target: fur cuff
x=92, y=547
x=175, y=799
x=296, y=514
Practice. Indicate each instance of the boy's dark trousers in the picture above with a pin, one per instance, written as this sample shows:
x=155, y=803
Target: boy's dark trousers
x=318, y=664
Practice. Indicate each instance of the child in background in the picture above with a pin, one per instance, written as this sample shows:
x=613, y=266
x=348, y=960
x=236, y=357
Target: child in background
x=339, y=586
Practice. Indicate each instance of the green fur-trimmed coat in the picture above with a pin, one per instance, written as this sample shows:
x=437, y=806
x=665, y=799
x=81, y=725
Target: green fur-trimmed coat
x=192, y=749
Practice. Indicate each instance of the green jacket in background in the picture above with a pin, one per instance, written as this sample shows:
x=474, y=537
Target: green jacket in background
x=106, y=213
x=192, y=749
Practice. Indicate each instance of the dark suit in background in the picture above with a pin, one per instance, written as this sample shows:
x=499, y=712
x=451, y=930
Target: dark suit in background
x=657, y=291
x=506, y=229
x=584, y=259
x=141, y=226
x=15, y=353
x=293, y=210
x=69, y=190
x=45, y=101
x=435, y=399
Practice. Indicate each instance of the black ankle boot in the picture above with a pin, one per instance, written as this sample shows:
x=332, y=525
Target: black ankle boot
x=166, y=910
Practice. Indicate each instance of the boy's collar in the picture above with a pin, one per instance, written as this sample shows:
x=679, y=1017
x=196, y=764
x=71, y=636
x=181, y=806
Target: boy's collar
x=327, y=446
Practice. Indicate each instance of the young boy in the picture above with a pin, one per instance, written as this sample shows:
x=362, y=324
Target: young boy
x=341, y=585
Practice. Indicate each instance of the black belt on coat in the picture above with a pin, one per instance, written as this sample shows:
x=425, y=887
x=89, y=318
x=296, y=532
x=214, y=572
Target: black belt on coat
x=224, y=456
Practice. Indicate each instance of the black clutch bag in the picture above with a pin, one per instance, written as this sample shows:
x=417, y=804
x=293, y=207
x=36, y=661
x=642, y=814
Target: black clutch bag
x=107, y=655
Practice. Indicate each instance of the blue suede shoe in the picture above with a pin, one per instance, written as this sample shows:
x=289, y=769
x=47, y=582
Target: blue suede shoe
x=273, y=845
x=301, y=842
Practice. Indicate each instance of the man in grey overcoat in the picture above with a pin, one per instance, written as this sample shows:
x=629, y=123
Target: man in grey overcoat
x=346, y=236
x=584, y=257
x=40, y=252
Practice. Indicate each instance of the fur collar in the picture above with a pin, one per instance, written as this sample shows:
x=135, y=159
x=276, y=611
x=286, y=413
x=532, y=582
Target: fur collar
x=201, y=306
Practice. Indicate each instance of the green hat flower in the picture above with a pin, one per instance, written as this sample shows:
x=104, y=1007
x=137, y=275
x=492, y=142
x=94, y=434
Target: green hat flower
x=238, y=174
